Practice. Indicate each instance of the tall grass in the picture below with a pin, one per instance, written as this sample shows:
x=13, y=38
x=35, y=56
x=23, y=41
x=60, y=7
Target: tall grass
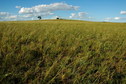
x=62, y=52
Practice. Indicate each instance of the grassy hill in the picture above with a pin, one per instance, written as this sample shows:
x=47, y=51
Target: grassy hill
x=62, y=52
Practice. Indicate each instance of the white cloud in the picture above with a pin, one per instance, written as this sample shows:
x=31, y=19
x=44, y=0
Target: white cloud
x=12, y=17
x=5, y=16
x=18, y=7
x=26, y=10
x=80, y=15
x=17, y=17
x=39, y=10
x=2, y=14
x=47, y=8
x=43, y=14
x=115, y=18
x=37, y=14
x=123, y=12
x=73, y=15
x=26, y=15
x=107, y=19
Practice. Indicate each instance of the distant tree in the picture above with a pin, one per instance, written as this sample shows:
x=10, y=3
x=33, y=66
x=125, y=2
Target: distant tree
x=39, y=17
x=57, y=18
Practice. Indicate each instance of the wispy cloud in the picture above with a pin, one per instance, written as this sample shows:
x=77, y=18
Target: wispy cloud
x=79, y=15
x=18, y=7
x=2, y=14
x=115, y=18
x=123, y=12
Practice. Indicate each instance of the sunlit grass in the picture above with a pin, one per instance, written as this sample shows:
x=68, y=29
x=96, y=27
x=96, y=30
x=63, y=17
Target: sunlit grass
x=62, y=51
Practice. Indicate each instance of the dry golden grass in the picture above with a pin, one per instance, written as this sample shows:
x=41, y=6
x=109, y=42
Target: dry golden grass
x=62, y=52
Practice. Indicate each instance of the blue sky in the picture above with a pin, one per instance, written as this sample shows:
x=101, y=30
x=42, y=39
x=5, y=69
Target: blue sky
x=92, y=10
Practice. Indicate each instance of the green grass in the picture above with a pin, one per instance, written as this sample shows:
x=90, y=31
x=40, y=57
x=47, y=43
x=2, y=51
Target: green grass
x=62, y=52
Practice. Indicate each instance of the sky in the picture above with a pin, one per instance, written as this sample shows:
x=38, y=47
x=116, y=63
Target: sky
x=89, y=10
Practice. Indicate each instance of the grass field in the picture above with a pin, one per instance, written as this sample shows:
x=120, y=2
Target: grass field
x=62, y=52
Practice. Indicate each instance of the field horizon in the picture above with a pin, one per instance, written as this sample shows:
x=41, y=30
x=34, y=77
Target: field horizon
x=62, y=20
